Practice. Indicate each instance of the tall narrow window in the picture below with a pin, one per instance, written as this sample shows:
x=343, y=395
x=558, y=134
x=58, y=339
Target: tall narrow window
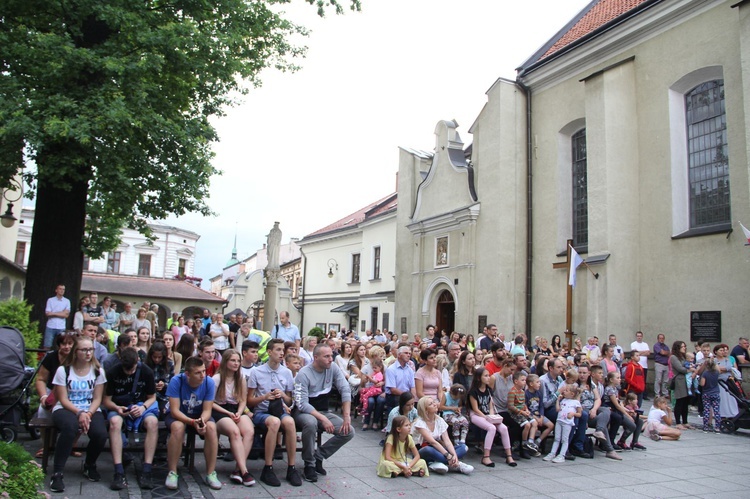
x=113, y=262
x=708, y=159
x=580, y=191
x=181, y=267
x=376, y=263
x=86, y=262
x=20, y=252
x=144, y=264
x=355, y=268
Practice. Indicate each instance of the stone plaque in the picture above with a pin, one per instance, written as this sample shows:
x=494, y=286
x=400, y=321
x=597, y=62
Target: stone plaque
x=403, y=325
x=705, y=326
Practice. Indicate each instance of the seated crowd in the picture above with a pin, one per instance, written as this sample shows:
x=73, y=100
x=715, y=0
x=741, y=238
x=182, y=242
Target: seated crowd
x=434, y=397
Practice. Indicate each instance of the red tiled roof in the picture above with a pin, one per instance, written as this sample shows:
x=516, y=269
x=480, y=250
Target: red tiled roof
x=597, y=16
x=372, y=210
x=147, y=287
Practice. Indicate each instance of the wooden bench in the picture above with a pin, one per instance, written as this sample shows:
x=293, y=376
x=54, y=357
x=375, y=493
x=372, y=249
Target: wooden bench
x=49, y=438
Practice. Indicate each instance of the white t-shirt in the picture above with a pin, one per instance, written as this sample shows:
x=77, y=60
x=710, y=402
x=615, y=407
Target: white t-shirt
x=220, y=342
x=228, y=390
x=655, y=415
x=80, y=388
x=440, y=427
x=568, y=406
x=641, y=346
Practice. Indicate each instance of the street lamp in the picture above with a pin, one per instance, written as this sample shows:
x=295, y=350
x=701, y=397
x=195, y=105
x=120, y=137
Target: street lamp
x=7, y=219
x=332, y=264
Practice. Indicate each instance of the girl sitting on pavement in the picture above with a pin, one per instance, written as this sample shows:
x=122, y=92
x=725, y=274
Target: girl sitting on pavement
x=659, y=423
x=394, y=460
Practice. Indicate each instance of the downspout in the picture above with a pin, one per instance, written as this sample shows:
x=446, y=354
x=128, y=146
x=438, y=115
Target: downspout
x=529, y=207
x=301, y=298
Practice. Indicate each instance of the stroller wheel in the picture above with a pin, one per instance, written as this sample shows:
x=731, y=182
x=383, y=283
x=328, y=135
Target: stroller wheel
x=9, y=434
x=727, y=426
x=33, y=432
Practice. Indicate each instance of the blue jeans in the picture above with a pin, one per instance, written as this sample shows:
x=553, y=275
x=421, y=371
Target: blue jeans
x=578, y=432
x=49, y=336
x=375, y=406
x=430, y=454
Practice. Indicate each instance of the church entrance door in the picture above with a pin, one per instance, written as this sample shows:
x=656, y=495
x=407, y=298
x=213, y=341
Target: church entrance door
x=445, y=313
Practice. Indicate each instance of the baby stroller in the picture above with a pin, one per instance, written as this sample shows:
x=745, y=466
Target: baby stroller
x=742, y=419
x=15, y=380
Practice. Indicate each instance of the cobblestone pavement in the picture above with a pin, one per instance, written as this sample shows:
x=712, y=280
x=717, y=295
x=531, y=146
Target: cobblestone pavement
x=699, y=465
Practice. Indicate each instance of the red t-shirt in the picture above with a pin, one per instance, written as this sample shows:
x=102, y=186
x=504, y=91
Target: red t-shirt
x=492, y=368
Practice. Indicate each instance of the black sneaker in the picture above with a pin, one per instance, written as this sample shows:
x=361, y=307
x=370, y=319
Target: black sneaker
x=268, y=477
x=581, y=454
x=292, y=476
x=570, y=457
x=57, y=484
x=89, y=471
x=118, y=482
x=147, y=481
x=319, y=467
x=310, y=474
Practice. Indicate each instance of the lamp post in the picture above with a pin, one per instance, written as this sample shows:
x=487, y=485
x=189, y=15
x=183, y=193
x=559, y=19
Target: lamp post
x=332, y=264
x=7, y=219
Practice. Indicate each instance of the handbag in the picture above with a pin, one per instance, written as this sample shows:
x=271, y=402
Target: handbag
x=276, y=407
x=671, y=384
x=50, y=401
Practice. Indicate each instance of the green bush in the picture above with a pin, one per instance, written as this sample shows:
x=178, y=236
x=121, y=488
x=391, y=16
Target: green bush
x=16, y=313
x=20, y=475
x=317, y=332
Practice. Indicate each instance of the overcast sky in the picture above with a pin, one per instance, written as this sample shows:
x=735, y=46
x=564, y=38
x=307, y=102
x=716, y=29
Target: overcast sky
x=310, y=147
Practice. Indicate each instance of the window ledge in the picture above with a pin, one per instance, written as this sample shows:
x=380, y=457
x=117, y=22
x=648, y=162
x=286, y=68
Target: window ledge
x=376, y=279
x=705, y=231
x=353, y=283
x=581, y=250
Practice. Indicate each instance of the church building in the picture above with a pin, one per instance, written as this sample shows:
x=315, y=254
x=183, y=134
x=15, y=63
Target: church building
x=626, y=133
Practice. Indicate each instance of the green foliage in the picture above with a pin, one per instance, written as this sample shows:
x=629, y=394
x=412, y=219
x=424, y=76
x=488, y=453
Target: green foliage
x=120, y=94
x=15, y=313
x=20, y=475
x=316, y=331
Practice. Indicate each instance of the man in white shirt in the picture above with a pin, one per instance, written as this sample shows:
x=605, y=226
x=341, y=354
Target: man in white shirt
x=617, y=349
x=644, y=350
x=57, y=311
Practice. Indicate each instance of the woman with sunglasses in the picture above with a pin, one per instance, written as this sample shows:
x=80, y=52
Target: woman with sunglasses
x=79, y=385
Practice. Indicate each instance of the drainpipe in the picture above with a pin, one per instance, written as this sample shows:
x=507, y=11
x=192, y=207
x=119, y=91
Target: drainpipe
x=529, y=207
x=301, y=297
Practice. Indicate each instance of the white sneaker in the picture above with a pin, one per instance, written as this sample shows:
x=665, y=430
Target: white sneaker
x=549, y=457
x=559, y=459
x=464, y=468
x=438, y=468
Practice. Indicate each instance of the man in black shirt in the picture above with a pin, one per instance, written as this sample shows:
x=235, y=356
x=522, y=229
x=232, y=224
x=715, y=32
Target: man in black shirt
x=131, y=400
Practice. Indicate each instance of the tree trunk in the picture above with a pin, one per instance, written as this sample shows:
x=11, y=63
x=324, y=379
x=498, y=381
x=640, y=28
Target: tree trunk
x=56, y=255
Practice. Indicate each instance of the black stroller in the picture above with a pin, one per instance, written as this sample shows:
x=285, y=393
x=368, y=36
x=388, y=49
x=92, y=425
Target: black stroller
x=742, y=419
x=15, y=380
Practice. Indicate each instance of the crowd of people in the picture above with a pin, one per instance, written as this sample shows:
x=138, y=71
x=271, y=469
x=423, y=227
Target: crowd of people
x=433, y=396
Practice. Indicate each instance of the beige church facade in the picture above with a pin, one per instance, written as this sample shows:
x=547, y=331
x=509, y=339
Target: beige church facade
x=627, y=133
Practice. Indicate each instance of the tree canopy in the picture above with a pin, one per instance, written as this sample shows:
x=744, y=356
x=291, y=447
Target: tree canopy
x=119, y=94
x=111, y=101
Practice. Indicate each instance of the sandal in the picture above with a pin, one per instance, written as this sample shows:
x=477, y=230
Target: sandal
x=490, y=464
x=75, y=453
x=420, y=473
x=365, y=427
x=510, y=462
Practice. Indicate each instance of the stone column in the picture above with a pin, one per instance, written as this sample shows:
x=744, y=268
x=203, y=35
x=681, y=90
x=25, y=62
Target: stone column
x=272, y=273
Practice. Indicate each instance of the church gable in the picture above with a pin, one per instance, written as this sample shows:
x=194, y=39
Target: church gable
x=449, y=183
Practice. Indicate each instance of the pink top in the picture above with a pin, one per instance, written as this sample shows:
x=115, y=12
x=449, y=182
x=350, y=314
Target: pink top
x=431, y=381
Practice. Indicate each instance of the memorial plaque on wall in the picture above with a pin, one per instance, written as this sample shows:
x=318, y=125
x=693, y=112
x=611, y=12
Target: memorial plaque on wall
x=482, y=324
x=705, y=326
x=403, y=325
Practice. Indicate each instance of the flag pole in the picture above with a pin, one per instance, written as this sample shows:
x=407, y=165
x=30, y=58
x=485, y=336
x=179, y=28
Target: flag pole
x=595, y=274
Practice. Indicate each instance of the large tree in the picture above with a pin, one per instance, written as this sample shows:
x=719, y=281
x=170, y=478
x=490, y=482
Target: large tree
x=111, y=101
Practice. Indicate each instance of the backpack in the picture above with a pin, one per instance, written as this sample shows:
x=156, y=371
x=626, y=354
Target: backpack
x=588, y=445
